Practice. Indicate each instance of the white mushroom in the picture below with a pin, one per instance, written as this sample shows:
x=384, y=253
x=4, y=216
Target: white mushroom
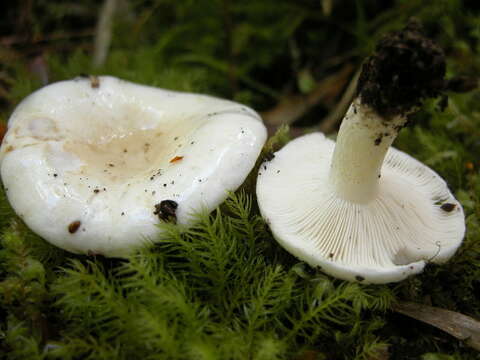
x=359, y=209
x=92, y=164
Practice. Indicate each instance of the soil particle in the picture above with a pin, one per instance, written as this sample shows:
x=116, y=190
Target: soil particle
x=406, y=68
x=269, y=156
x=73, y=227
x=94, y=81
x=166, y=210
x=448, y=207
x=378, y=140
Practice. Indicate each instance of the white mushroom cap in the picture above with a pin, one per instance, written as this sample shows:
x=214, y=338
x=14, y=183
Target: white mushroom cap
x=85, y=161
x=381, y=240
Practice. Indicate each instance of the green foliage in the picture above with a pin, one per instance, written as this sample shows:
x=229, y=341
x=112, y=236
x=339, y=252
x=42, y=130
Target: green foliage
x=221, y=289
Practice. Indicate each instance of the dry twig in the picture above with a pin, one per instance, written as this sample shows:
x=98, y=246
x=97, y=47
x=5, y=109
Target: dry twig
x=103, y=35
x=291, y=108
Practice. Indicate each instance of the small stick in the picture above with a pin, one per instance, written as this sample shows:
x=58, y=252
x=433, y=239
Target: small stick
x=103, y=33
x=291, y=108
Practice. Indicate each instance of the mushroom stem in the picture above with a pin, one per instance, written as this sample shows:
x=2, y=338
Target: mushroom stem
x=362, y=143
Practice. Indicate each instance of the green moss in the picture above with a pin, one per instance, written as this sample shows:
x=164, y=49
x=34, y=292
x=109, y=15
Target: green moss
x=224, y=289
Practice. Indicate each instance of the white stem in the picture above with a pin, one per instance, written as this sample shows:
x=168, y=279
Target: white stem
x=362, y=143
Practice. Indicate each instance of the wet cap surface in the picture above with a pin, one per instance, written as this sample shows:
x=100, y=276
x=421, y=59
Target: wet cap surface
x=94, y=167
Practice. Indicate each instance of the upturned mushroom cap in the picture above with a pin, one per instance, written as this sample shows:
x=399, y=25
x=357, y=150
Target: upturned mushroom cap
x=87, y=162
x=413, y=219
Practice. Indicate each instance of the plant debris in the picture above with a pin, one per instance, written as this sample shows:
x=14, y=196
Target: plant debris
x=166, y=210
x=176, y=158
x=73, y=227
x=458, y=325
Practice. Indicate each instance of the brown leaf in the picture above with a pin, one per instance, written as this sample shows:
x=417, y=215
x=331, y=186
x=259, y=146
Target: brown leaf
x=458, y=325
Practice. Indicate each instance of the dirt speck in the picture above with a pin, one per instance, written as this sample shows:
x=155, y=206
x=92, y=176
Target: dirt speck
x=73, y=226
x=166, y=210
x=448, y=207
x=269, y=156
x=94, y=81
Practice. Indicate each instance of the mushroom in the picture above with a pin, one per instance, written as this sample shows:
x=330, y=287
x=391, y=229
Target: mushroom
x=94, y=164
x=359, y=209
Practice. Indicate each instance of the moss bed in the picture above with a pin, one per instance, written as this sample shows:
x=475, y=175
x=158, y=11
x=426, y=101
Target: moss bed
x=224, y=289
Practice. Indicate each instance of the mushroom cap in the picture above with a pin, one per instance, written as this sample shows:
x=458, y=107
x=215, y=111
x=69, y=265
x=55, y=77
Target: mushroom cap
x=414, y=218
x=85, y=161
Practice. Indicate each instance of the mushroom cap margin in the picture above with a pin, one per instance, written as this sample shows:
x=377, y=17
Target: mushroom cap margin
x=221, y=141
x=354, y=241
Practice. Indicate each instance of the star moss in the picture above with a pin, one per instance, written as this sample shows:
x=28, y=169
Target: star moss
x=224, y=289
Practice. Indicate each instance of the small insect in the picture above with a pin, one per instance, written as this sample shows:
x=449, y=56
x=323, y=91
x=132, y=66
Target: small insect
x=359, y=278
x=448, y=207
x=73, y=227
x=166, y=210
